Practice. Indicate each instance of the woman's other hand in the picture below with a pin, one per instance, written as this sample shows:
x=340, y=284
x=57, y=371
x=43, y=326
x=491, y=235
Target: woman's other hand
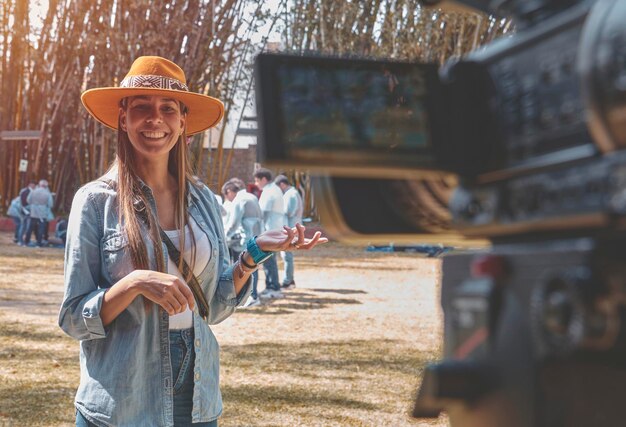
x=166, y=290
x=288, y=239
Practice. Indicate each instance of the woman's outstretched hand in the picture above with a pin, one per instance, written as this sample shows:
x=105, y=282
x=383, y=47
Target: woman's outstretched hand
x=288, y=239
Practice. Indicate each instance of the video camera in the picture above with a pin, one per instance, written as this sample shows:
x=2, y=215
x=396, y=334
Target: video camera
x=520, y=144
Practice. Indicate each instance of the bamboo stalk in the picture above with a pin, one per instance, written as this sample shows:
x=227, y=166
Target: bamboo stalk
x=41, y=84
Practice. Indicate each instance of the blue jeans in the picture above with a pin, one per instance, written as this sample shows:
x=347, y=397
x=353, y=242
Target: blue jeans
x=41, y=229
x=271, y=274
x=38, y=226
x=25, y=228
x=182, y=356
x=18, y=223
x=288, y=260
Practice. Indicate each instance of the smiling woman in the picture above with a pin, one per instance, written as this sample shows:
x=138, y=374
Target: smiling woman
x=147, y=268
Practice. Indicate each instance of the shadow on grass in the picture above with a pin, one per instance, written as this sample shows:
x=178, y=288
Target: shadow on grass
x=297, y=301
x=12, y=355
x=46, y=303
x=41, y=254
x=322, y=302
x=18, y=332
x=340, y=291
x=342, y=264
x=350, y=382
x=39, y=387
x=329, y=358
x=32, y=258
x=247, y=394
x=43, y=404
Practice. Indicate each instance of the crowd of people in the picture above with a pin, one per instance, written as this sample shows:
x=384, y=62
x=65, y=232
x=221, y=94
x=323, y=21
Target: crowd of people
x=248, y=210
x=31, y=212
x=246, y=216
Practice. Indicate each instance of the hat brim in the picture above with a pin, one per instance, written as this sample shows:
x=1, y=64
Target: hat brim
x=203, y=113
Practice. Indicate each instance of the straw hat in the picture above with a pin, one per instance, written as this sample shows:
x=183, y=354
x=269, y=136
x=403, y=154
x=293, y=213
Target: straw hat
x=153, y=75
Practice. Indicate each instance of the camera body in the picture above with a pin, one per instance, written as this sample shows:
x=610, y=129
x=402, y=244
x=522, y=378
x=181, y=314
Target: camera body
x=520, y=144
x=533, y=336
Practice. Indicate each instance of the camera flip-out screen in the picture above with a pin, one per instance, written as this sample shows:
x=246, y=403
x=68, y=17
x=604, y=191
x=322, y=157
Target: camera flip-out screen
x=347, y=116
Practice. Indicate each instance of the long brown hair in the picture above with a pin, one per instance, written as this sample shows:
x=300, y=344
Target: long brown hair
x=131, y=198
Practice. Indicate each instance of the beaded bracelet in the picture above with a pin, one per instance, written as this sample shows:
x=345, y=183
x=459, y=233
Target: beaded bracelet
x=242, y=259
x=244, y=267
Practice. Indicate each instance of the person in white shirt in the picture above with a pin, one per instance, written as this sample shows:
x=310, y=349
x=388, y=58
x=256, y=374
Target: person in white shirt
x=271, y=202
x=293, y=206
x=244, y=222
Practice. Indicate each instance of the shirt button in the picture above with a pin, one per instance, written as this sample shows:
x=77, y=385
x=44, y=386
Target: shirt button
x=198, y=376
x=198, y=343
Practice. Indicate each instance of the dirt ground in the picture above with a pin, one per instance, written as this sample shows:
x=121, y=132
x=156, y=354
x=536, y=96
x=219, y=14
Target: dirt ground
x=345, y=348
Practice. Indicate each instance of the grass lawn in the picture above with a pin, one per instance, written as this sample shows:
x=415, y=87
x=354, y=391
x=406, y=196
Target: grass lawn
x=345, y=348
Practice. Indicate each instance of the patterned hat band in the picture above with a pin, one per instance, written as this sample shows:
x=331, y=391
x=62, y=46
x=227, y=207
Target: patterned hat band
x=153, y=82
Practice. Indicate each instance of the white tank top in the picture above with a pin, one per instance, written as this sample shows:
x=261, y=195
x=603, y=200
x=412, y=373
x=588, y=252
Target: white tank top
x=184, y=320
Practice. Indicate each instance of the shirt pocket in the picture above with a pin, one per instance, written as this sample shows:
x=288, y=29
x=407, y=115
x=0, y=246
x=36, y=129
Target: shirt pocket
x=117, y=258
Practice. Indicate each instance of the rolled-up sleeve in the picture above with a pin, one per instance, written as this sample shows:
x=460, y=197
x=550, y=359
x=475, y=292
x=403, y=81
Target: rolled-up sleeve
x=226, y=300
x=226, y=289
x=79, y=316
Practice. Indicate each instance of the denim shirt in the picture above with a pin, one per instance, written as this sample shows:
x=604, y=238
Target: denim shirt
x=126, y=374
